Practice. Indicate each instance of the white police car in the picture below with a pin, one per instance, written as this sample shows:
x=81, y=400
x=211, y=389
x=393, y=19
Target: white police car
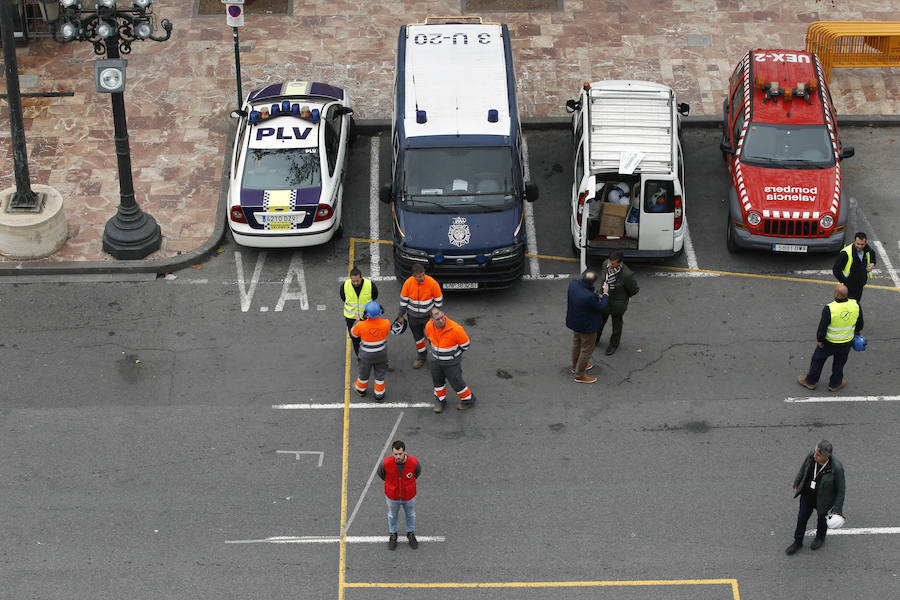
x=288, y=165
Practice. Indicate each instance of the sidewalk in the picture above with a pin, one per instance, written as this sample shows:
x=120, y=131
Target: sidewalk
x=180, y=92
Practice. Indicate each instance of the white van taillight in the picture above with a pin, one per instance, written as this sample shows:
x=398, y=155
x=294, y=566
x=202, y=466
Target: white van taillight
x=679, y=212
x=581, y=198
x=237, y=215
x=324, y=212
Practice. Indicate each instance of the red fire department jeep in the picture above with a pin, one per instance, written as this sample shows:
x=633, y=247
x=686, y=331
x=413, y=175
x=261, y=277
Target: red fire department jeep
x=780, y=141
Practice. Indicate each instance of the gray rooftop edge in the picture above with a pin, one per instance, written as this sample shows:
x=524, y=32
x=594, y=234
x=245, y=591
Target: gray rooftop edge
x=364, y=127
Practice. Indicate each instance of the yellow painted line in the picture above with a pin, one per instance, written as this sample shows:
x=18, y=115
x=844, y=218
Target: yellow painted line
x=549, y=584
x=345, y=452
x=730, y=273
x=353, y=241
x=548, y=257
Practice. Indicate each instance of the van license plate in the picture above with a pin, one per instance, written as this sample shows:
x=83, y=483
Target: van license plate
x=461, y=285
x=789, y=248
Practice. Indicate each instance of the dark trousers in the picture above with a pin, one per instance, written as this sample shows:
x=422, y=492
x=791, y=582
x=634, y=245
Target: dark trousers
x=616, y=332
x=855, y=293
x=355, y=341
x=807, y=506
x=839, y=352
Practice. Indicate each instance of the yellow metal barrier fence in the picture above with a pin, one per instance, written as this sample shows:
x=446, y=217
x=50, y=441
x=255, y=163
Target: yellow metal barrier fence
x=854, y=44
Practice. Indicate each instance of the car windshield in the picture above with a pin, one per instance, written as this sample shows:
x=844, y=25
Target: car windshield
x=282, y=169
x=454, y=179
x=786, y=146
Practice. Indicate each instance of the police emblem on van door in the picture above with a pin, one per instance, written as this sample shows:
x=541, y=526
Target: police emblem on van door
x=459, y=232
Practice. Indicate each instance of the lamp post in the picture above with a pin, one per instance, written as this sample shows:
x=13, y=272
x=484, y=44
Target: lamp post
x=130, y=233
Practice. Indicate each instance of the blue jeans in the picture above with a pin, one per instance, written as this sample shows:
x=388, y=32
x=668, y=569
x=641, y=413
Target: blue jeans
x=409, y=509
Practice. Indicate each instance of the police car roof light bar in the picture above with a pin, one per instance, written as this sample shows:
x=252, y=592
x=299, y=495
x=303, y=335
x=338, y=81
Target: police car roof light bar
x=254, y=117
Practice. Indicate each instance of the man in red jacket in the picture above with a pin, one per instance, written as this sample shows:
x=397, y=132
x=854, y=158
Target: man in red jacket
x=400, y=473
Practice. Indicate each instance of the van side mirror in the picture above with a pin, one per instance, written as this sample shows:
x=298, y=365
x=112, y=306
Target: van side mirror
x=345, y=110
x=847, y=152
x=572, y=106
x=726, y=148
x=531, y=192
x=385, y=193
x=235, y=114
x=684, y=108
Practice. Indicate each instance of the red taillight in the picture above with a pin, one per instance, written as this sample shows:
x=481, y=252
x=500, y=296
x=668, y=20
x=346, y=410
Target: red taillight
x=679, y=212
x=324, y=212
x=237, y=215
x=581, y=198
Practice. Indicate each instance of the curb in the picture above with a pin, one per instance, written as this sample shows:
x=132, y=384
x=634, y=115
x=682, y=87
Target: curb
x=363, y=127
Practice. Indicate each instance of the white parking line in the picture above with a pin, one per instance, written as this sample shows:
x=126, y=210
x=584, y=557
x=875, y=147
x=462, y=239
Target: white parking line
x=879, y=247
x=378, y=461
x=374, y=248
x=855, y=531
x=333, y=539
x=534, y=266
x=689, y=249
x=844, y=399
x=340, y=405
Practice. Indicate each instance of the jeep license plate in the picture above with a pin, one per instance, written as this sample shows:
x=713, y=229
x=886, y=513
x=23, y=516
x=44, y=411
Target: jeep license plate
x=789, y=248
x=460, y=285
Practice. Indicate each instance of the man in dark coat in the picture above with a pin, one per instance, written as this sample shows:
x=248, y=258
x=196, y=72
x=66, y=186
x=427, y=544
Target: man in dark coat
x=622, y=286
x=584, y=312
x=853, y=265
x=820, y=485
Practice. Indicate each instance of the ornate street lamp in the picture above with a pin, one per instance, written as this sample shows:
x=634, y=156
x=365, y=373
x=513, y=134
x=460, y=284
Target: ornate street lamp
x=111, y=27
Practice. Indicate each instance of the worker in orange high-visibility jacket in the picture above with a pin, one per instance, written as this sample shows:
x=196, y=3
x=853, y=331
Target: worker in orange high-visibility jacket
x=448, y=341
x=420, y=293
x=372, y=333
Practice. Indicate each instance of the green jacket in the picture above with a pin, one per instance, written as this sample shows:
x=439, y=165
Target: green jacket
x=831, y=485
x=626, y=287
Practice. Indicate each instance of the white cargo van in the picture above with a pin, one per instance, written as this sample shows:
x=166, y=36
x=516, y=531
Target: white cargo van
x=629, y=172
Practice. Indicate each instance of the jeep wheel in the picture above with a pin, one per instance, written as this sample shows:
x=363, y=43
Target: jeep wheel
x=730, y=242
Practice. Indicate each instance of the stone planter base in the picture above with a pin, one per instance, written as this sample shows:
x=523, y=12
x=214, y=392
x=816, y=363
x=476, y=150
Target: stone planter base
x=32, y=235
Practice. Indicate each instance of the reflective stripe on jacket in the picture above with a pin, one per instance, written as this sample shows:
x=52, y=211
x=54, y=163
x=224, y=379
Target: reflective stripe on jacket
x=850, y=251
x=372, y=334
x=447, y=344
x=843, y=321
x=419, y=298
x=400, y=485
x=354, y=305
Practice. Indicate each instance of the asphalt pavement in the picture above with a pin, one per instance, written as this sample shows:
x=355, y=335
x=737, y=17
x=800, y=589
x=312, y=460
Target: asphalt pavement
x=163, y=437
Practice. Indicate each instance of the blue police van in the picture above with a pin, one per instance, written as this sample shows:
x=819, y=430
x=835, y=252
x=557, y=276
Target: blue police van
x=458, y=185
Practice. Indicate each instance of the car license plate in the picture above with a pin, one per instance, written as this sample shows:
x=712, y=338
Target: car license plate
x=460, y=285
x=789, y=248
x=287, y=217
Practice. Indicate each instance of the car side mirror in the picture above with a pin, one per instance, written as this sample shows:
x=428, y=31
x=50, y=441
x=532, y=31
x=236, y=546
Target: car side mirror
x=725, y=147
x=531, y=192
x=572, y=106
x=847, y=152
x=236, y=114
x=684, y=108
x=345, y=110
x=385, y=193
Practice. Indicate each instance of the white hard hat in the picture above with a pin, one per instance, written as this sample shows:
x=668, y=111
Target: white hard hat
x=835, y=521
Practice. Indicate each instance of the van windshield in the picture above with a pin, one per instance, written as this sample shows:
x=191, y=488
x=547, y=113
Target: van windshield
x=458, y=179
x=788, y=146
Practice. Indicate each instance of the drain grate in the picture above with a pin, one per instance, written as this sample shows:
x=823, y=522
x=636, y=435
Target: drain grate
x=511, y=5
x=204, y=8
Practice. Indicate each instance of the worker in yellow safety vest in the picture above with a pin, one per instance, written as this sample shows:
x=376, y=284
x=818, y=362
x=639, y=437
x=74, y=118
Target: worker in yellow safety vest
x=840, y=321
x=854, y=265
x=356, y=292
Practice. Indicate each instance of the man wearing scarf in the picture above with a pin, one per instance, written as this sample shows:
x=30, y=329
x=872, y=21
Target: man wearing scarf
x=622, y=286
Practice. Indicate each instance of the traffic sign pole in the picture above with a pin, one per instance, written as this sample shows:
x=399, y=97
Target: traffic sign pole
x=234, y=15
